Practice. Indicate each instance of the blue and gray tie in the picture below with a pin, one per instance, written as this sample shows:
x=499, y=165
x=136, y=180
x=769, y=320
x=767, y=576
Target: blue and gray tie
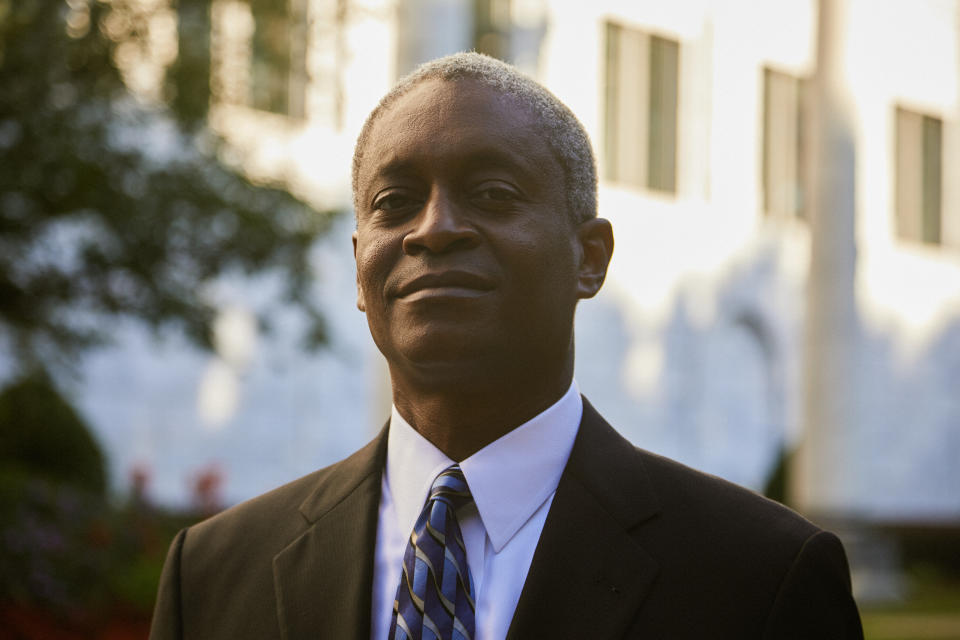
x=435, y=599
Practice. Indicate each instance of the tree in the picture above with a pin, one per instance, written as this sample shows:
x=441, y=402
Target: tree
x=112, y=207
x=42, y=435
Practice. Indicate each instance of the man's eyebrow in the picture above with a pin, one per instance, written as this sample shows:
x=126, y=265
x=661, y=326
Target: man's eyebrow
x=393, y=167
x=482, y=158
x=499, y=158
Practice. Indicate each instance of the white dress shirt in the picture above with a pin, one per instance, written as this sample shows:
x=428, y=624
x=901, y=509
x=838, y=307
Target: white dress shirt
x=512, y=480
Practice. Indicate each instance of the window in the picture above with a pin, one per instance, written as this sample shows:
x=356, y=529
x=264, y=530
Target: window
x=919, y=173
x=491, y=28
x=272, y=70
x=640, y=124
x=783, y=152
x=258, y=54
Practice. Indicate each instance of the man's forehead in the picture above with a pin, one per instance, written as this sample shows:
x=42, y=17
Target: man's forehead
x=438, y=97
x=464, y=118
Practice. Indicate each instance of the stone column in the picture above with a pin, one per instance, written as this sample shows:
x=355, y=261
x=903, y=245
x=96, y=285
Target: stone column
x=818, y=478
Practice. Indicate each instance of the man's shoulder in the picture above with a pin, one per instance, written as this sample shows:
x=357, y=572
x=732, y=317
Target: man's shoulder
x=715, y=506
x=708, y=535
x=675, y=496
x=723, y=551
x=220, y=577
x=261, y=515
x=271, y=520
x=724, y=533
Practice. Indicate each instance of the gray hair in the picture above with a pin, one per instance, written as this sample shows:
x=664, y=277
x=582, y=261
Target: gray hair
x=562, y=131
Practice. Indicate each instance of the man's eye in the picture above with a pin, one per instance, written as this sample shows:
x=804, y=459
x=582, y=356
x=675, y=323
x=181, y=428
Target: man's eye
x=393, y=202
x=497, y=194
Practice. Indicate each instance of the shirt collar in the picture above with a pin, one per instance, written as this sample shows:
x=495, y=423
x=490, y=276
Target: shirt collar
x=509, y=478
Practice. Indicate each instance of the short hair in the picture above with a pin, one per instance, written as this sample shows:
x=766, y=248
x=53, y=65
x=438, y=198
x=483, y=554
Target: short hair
x=563, y=133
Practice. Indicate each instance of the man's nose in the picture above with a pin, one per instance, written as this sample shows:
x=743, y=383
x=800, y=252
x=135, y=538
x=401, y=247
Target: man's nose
x=441, y=226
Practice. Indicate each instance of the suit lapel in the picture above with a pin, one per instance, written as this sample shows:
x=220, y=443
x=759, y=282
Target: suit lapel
x=323, y=579
x=589, y=576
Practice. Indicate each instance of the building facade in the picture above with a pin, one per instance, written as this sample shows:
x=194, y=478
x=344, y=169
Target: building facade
x=699, y=345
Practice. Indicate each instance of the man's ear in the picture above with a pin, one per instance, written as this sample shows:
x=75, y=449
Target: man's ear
x=360, y=303
x=596, y=248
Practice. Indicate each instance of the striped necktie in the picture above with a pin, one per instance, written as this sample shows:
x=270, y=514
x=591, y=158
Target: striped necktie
x=435, y=598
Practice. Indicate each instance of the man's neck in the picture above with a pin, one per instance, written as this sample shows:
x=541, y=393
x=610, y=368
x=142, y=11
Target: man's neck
x=460, y=422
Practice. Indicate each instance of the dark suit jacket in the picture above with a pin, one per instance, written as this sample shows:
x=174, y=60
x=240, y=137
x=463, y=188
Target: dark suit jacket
x=635, y=545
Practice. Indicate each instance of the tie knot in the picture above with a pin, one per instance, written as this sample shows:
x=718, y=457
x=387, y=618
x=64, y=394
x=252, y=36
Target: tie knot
x=451, y=487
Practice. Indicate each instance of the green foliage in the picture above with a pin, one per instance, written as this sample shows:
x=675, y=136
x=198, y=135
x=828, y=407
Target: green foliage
x=72, y=563
x=52, y=547
x=111, y=207
x=71, y=560
x=778, y=480
x=41, y=435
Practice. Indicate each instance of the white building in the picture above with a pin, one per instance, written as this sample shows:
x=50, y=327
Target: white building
x=695, y=347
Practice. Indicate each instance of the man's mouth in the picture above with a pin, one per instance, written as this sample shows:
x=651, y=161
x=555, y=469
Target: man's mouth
x=449, y=284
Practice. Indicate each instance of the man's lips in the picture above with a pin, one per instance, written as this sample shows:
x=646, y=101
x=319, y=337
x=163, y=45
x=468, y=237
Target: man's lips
x=445, y=283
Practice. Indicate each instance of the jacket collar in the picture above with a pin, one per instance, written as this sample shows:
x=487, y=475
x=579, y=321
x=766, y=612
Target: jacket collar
x=589, y=576
x=323, y=578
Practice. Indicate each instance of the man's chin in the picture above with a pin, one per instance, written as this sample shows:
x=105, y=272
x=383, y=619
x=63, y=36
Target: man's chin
x=443, y=365
x=431, y=358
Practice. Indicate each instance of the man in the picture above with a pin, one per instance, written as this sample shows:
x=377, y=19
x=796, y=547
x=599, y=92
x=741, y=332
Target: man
x=475, y=195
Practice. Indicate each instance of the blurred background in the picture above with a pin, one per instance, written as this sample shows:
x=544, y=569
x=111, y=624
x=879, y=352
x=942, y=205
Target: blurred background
x=178, y=329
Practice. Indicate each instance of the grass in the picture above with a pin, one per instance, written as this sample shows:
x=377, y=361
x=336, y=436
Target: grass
x=930, y=612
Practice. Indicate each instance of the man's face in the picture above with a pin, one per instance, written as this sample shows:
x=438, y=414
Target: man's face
x=467, y=258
